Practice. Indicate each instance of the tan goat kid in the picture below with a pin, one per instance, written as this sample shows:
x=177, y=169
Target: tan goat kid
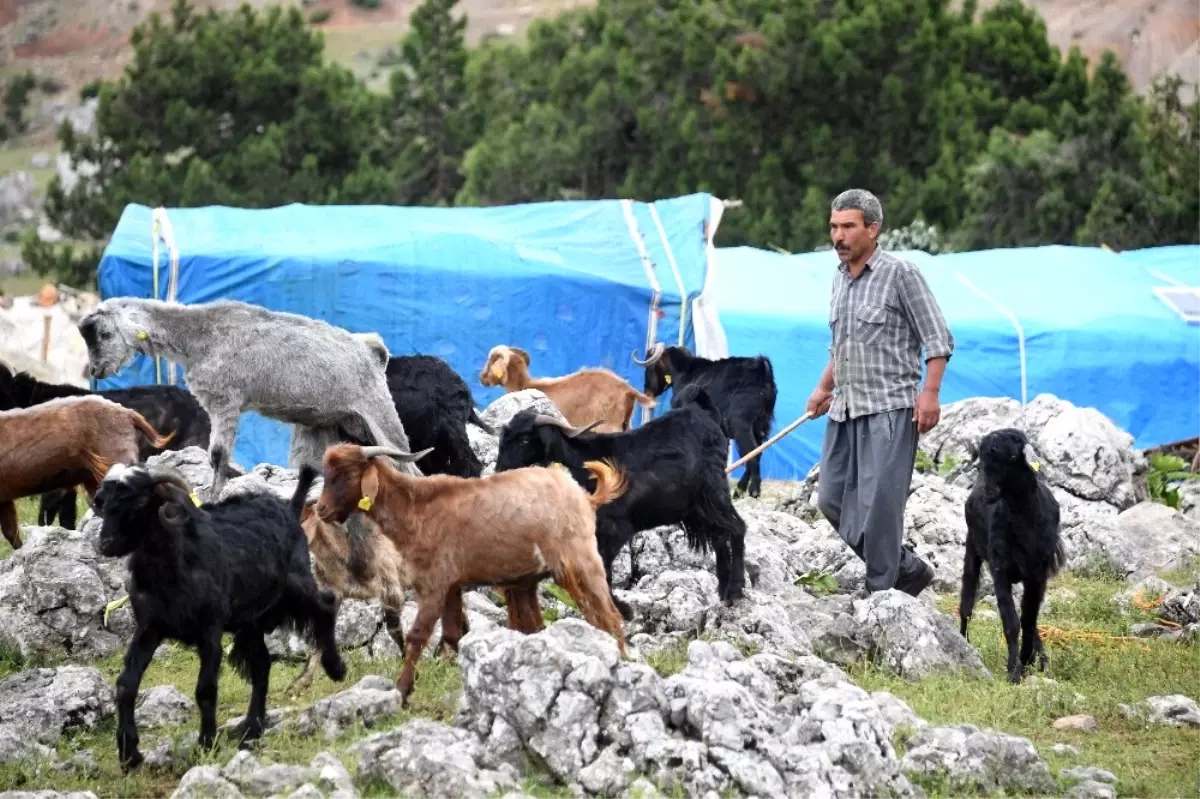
x=62, y=443
x=511, y=529
x=355, y=560
x=597, y=398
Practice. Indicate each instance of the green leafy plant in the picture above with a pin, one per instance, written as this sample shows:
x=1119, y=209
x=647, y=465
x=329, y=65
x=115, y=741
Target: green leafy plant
x=818, y=583
x=556, y=591
x=1165, y=472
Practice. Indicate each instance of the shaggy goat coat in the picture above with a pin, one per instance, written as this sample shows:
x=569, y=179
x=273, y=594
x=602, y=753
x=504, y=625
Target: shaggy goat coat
x=62, y=443
x=1013, y=526
x=584, y=397
x=742, y=389
x=241, y=357
x=238, y=565
x=453, y=533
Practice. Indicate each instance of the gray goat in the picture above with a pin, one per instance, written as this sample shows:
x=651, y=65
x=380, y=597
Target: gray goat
x=239, y=357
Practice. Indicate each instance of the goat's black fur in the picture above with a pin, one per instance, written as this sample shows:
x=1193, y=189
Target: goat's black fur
x=676, y=475
x=434, y=405
x=742, y=389
x=238, y=565
x=1013, y=526
x=166, y=408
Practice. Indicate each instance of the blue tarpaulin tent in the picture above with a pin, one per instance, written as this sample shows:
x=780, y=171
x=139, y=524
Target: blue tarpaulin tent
x=574, y=283
x=1086, y=321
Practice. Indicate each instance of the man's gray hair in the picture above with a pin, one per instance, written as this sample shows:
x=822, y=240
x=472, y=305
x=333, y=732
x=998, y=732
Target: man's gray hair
x=860, y=200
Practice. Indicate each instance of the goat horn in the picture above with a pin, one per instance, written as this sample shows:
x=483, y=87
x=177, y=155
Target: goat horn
x=652, y=356
x=171, y=514
x=165, y=474
x=543, y=419
x=398, y=454
x=581, y=430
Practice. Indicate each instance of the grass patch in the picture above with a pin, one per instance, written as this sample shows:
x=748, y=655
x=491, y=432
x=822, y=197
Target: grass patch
x=673, y=658
x=1095, y=667
x=18, y=159
x=27, y=514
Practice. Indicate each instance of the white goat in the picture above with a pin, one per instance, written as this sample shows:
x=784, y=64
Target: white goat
x=241, y=357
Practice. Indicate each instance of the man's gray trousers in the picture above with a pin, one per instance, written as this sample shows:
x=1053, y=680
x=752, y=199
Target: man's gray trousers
x=866, y=469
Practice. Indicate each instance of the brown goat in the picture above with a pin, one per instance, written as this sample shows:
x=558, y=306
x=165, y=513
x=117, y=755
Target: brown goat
x=355, y=560
x=513, y=529
x=583, y=397
x=62, y=443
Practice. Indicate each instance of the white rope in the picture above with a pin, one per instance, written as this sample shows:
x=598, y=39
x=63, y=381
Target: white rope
x=164, y=229
x=656, y=288
x=1165, y=278
x=154, y=225
x=706, y=322
x=683, y=296
x=1015, y=323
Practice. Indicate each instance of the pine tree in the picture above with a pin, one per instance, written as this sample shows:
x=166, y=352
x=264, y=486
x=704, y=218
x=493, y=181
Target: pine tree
x=432, y=119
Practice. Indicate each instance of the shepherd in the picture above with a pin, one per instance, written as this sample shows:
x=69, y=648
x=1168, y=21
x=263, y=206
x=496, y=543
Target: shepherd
x=881, y=314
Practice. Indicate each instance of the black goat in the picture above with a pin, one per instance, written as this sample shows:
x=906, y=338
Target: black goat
x=1013, y=526
x=434, y=405
x=742, y=389
x=166, y=408
x=237, y=565
x=676, y=475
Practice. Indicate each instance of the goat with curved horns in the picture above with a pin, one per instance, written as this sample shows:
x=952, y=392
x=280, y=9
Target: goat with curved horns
x=742, y=389
x=512, y=530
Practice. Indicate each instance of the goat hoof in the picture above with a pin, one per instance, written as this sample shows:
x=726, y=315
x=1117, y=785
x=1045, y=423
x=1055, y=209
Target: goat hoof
x=334, y=666
x=624, y=608
x=132, y=763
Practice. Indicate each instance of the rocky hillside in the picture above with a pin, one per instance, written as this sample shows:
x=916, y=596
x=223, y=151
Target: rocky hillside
x=1149, y=36
x=77, y=40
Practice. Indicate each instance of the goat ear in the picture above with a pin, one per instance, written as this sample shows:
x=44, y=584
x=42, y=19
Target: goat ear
x=1031, y=458
x=370, y=487
x=522, y=354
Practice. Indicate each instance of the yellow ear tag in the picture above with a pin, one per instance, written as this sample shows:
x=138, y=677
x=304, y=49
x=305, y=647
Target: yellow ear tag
x=195, y=499
x=142, y=335
x=365, y=503
x=498, y=373
x=1036, y=465
x=667, y=378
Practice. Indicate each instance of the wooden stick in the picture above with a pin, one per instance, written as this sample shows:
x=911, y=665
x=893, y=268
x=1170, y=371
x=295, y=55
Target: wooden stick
x=46, y=337
x=769, y=442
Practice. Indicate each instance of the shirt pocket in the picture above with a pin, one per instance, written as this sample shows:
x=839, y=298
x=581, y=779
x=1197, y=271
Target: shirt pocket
x=870, y=324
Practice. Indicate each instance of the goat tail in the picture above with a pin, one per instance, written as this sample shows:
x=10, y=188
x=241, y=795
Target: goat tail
x=375, y=343
x=645, y=400
x=610, y=482
x=152, y=436
x=307, y=475
x=1058, y=558
x=99, y=465
x=476, y=420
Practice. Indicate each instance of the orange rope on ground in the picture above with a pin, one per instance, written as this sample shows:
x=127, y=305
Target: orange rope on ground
x=1059, y=635
x=1146, y=604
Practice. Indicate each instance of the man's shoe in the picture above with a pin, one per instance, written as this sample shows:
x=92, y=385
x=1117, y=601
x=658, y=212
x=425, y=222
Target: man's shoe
x=917, y=580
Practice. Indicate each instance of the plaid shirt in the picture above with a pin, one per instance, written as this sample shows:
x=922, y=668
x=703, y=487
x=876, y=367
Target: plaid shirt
x=879, y=321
